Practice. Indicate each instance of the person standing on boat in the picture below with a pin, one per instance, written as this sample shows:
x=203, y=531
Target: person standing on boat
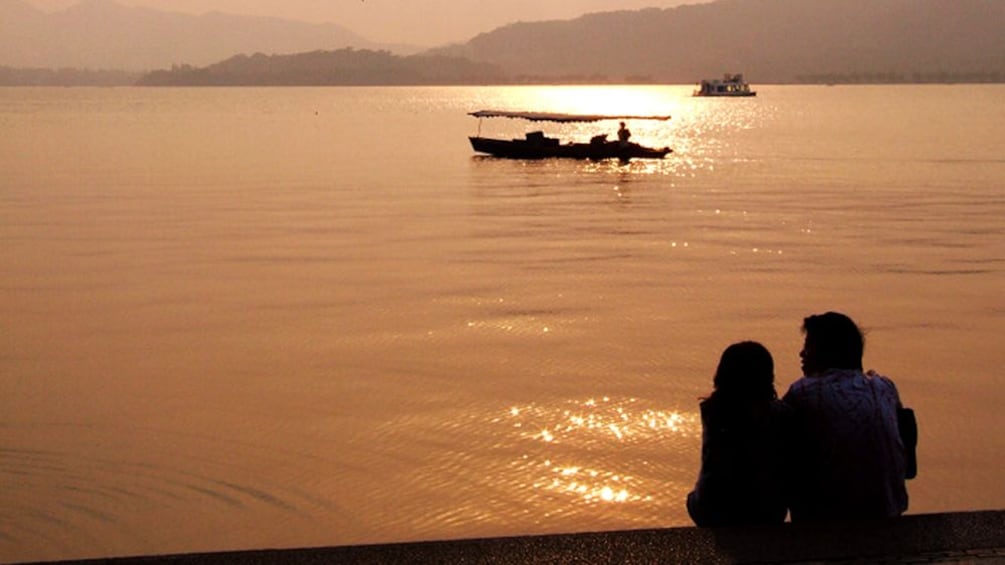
x=623, y=135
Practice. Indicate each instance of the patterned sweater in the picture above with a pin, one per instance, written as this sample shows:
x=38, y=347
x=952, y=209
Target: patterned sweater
x=847, y=458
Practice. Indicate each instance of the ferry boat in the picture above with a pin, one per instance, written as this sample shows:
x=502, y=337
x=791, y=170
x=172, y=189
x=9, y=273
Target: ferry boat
x=728, y=85
x=536, y=145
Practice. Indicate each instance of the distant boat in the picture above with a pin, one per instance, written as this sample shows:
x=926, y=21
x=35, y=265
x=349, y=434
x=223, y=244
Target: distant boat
x=729, y=85
x=536, y=145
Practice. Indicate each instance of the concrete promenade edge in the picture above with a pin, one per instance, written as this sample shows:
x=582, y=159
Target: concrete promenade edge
x=957, y=537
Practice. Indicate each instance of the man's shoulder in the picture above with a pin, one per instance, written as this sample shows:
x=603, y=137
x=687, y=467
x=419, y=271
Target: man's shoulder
x=828, y=382
x=882, y=383
x=877, y=378
x=802, y=385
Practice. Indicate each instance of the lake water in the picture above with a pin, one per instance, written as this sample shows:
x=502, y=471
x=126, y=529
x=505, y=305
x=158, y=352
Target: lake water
x=247, y=318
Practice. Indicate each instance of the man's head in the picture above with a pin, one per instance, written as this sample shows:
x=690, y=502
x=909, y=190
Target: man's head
x=833, y=341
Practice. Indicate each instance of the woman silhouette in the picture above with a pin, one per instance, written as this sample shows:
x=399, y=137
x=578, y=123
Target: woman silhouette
x=741, y=480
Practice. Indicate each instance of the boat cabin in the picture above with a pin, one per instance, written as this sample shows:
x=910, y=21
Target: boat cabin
x=729, y=85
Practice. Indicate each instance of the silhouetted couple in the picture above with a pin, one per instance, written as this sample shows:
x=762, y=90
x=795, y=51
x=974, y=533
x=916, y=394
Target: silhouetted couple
x=830, y=449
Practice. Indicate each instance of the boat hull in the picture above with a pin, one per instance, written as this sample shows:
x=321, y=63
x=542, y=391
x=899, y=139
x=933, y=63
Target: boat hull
x=725, y=94
x=528, y=149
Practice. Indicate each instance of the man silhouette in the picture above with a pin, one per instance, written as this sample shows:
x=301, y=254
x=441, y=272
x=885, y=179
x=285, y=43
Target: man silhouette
x=848, y=461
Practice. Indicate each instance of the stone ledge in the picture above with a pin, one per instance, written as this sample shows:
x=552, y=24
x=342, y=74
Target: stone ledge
x=960, y=537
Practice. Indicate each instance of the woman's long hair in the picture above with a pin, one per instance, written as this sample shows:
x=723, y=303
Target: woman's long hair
x=746, y=373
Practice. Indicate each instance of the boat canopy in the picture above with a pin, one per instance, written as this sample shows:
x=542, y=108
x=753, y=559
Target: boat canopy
x=552, y=117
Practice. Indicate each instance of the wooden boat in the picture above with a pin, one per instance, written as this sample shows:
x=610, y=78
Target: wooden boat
x=536, y=145
x=729, y=85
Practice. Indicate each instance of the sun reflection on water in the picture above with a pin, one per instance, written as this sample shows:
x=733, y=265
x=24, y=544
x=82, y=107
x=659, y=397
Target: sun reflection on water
x=590, y=485
x=589, y=99
x=593, y=450
x=602, y=417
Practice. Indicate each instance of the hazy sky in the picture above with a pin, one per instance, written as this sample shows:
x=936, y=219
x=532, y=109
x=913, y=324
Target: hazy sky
x=423, y=22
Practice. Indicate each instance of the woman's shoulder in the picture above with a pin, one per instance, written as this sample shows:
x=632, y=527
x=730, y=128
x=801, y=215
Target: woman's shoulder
x=742, y=414
x=778, y=406
x=780, y=412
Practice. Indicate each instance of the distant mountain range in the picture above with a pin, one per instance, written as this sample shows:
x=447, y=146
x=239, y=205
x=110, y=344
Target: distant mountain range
x=767, y=40
x=102, y=34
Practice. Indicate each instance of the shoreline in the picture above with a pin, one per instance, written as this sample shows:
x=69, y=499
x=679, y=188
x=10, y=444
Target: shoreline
x=954, y=537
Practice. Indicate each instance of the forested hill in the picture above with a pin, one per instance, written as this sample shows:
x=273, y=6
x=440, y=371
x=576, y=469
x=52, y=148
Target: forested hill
x=768, y=40
x=349, y=67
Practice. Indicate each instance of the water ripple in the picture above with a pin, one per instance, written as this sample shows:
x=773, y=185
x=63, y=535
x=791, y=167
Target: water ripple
x=118, y=498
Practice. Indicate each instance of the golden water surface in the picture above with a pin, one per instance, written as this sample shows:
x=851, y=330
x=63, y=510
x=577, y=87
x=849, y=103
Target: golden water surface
x=244, y=318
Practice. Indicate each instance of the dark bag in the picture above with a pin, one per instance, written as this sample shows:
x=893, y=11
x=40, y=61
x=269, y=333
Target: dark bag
x=908, y=427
